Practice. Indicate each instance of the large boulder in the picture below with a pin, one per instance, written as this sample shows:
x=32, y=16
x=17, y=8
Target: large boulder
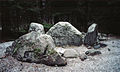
x=37, y=27
x=64, y=34
x=32, y=42
x=60, y=50
x=35, y=47
x=91, y=37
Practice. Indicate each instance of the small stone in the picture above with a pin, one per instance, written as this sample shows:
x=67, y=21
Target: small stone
x=37, y=28
x=89, y=47
x=113, y=42
x=113, y=46
x=99, y=45
x=102, y=37
x=92, y=52
x=70, y=53
x=87, y=52
x=83, y=57
x=108, y=49
x=96, y=46
x=60, y=50
x=103, y=45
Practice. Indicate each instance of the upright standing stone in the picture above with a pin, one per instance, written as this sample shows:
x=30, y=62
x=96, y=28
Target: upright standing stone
x=91, y=36
x=64, y=33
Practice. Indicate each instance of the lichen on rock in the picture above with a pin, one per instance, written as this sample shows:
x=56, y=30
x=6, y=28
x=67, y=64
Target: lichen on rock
x=37, y=48
x=63, y=34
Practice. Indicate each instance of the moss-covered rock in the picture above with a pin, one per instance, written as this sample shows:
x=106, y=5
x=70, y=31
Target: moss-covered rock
x=37, y=48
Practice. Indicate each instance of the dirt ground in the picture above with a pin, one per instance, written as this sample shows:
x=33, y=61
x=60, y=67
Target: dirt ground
x=108, y=61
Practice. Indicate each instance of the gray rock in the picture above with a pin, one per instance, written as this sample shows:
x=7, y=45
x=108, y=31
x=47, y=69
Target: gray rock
x=3, y=47
x=70, y=53
x=102, y=37
x=31, y=42
x=37, y=27
x=53, y=60
x=96, y=46
x=92, y=52
x=60, y=50
x=83, y=57
x=99, y=45
x=64, y=34
x=91, y=36
x=89, y=47
x=35, y=47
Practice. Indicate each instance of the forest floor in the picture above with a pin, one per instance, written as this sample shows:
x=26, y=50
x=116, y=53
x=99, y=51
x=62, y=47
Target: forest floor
x=108, y=61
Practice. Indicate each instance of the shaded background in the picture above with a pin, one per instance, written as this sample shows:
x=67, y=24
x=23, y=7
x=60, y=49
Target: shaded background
x=16, y=15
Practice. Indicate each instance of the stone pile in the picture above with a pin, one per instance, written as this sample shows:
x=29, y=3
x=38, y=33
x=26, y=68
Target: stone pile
x=38, y=47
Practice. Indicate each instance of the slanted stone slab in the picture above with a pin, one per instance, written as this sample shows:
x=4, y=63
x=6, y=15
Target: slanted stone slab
x=63, y=34
x=91, y=36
